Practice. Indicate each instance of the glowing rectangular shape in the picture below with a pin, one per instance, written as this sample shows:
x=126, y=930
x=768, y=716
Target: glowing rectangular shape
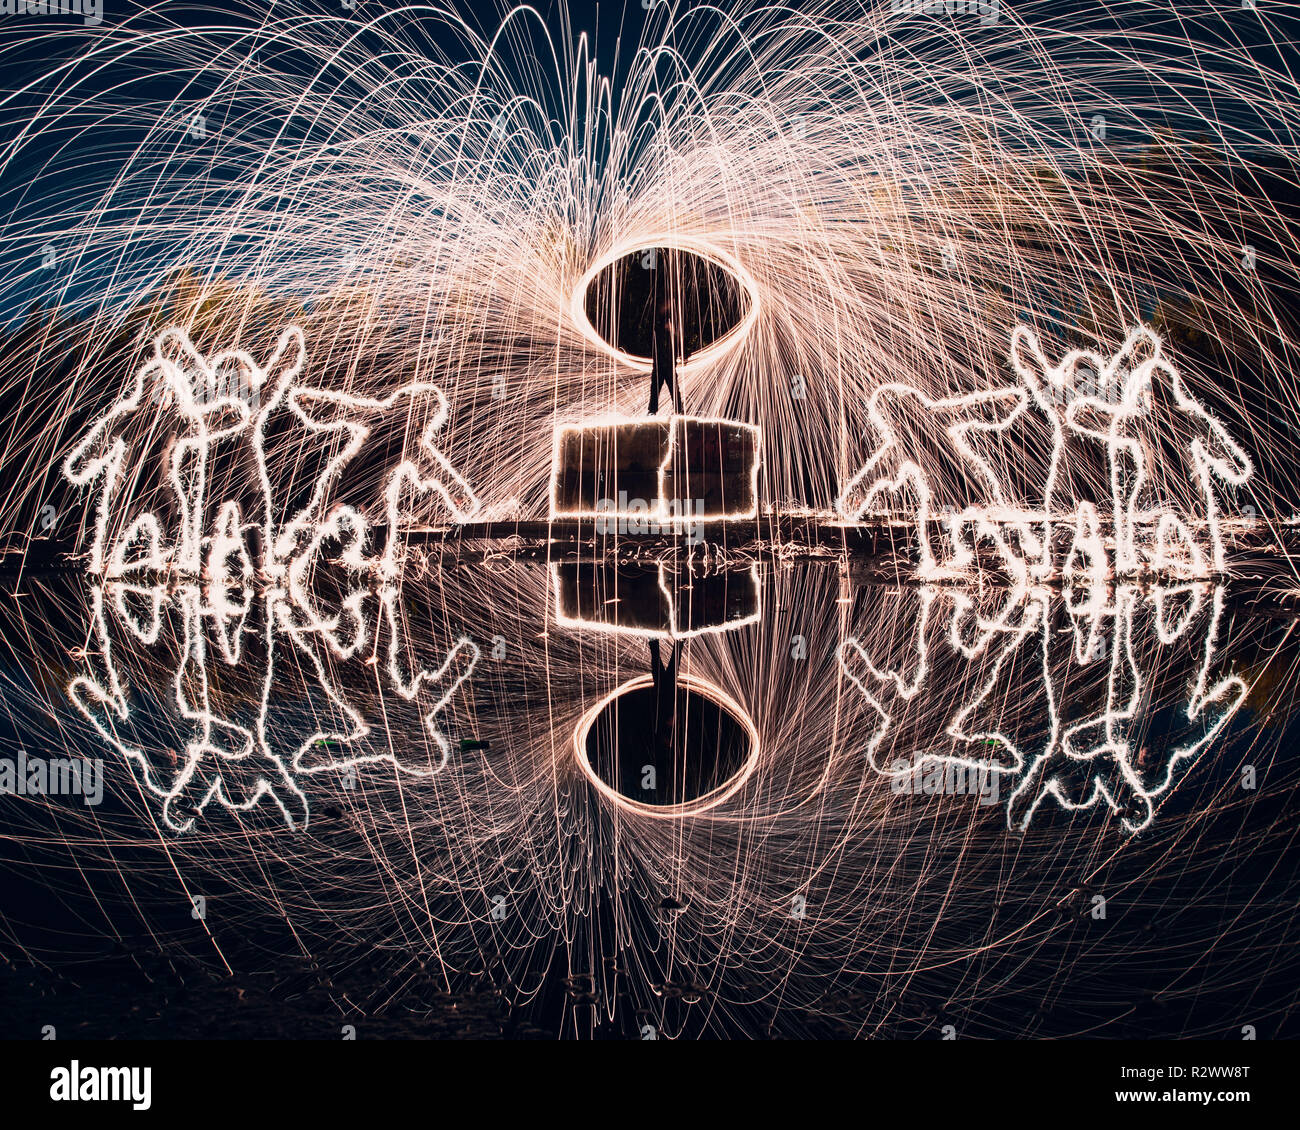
x=635, y=599
x=675, y=470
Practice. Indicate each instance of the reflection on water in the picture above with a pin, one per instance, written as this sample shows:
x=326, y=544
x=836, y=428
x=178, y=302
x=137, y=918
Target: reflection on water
x=667, y=746
x=190, y=684
x=843, y=773
x=1057, y=692
x=662, y=598
x=1102, y=695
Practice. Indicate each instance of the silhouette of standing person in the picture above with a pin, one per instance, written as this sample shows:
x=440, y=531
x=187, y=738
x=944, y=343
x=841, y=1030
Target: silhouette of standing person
x=664, y=679
x=664, y=338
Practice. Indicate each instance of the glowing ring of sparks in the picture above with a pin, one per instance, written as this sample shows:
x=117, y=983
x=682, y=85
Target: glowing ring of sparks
x=704, y=357
x=700, y=804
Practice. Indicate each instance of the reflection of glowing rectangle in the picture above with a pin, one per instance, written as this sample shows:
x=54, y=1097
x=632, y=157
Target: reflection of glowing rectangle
x=640, y=600
x=673, y=471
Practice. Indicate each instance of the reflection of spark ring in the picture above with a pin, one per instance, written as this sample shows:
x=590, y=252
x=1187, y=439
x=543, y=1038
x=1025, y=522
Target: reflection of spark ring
x=697, y=805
